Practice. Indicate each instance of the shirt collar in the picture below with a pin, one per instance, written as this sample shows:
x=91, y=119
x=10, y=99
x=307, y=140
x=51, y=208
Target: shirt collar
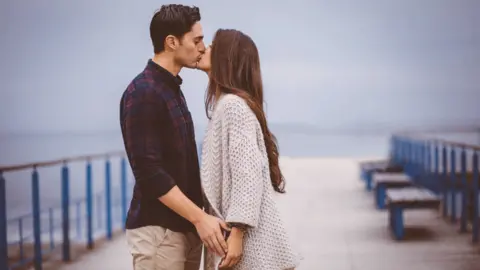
x=173, y=81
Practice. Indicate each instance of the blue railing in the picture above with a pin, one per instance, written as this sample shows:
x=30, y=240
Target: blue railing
x=448, y=168
x=63, y=231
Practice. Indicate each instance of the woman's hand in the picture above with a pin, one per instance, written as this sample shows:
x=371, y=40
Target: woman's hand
x=235, y=249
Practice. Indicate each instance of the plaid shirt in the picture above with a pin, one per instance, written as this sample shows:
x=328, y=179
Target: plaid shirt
x=159, y=139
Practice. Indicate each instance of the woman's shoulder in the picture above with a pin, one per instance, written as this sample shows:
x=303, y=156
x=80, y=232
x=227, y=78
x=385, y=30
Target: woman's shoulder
x=232, y=104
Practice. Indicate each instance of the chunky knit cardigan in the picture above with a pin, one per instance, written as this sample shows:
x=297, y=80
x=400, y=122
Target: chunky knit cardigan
x=236, y=183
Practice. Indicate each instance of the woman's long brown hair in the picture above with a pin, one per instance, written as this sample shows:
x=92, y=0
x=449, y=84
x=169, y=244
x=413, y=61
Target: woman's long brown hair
x=235, y=69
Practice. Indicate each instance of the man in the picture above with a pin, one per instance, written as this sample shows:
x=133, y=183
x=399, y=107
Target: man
x=166, y=213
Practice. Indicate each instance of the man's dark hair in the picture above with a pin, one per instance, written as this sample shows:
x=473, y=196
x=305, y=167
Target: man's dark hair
x=174, y=20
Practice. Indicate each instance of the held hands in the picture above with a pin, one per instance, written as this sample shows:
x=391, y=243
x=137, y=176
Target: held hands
x=210, y=232
x=235, y=249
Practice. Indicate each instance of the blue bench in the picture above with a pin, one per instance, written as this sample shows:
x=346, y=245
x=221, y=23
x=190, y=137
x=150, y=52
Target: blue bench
x=367, y=169
x=382, y=181
x=400, y=199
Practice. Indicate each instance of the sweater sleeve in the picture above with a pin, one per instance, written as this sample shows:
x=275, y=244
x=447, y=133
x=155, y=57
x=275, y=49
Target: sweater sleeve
x=245, y=161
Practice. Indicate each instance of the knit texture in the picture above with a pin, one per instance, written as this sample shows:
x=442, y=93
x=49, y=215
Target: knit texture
x=236, y=182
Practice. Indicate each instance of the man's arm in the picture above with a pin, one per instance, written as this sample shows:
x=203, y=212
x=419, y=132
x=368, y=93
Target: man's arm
x=142, y=117
x=143, y=137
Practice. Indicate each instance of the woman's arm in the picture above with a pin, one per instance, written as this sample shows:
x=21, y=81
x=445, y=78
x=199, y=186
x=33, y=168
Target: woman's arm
x=246, y=164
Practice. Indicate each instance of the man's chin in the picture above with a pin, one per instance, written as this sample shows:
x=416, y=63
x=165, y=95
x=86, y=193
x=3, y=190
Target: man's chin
x=191, y=66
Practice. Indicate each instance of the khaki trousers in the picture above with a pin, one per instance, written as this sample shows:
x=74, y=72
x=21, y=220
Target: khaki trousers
x=157, y=248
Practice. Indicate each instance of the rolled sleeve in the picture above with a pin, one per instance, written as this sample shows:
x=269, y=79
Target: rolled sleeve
x=143, y=139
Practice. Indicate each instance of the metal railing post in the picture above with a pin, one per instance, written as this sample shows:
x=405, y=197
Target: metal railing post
x=124, y=191
x=445, y=180
x=453, y=185
x=108, y=199
x=476, y=186
x=436, y=165
x=463, y=214
x=3, y=224
x=65, y=214
x=37, y=236
x=89, y=205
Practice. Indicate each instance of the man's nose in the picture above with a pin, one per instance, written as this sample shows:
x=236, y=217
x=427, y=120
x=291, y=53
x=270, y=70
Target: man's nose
x=202, y=49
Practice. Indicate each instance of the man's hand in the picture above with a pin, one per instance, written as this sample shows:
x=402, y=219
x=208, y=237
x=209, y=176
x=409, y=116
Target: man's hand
x=235, y=249
x=209, y=229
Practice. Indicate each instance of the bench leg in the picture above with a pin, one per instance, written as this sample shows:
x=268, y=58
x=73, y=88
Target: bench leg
x=369, y=181
x=380, y=196
x=396, y=220
x=445, y=202
x=464, y=210
x=363, y=174
x=476, y=211
x=390, y=219
x=453, y=206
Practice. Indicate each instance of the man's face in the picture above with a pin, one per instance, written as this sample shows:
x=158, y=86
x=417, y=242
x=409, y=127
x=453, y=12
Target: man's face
x=191, y=47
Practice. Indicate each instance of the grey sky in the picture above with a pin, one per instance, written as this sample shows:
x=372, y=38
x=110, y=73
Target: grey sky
x=334, y=63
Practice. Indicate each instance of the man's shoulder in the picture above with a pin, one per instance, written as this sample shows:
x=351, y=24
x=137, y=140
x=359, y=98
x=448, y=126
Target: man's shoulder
x=144, y=86
x=141, y=82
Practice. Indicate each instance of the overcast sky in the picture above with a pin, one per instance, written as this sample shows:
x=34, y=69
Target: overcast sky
x=336, y=63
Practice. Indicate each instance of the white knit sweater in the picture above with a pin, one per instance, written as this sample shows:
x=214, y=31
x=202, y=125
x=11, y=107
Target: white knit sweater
x=236, y=183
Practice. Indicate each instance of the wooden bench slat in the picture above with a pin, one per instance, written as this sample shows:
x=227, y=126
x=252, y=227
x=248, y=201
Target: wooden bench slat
x=411, y=194
x=385, y=177
x=375, y=166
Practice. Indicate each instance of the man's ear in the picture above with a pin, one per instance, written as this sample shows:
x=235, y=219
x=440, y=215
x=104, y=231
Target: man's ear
x=171, y=43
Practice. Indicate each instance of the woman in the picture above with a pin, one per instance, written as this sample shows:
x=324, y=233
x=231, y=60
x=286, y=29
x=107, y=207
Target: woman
x=240, y=169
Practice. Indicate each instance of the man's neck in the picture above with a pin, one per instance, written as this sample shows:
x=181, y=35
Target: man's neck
x=167, y=63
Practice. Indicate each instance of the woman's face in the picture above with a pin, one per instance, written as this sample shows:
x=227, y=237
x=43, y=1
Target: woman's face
x=205, y=63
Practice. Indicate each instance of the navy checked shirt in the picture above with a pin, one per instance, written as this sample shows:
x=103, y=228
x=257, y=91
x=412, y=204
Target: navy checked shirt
x=159, y=139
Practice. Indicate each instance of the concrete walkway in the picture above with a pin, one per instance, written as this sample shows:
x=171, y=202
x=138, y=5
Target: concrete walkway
x=336, y=227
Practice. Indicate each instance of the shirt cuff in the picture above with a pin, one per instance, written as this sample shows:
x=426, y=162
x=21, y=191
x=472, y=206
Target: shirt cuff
x=157, y=185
